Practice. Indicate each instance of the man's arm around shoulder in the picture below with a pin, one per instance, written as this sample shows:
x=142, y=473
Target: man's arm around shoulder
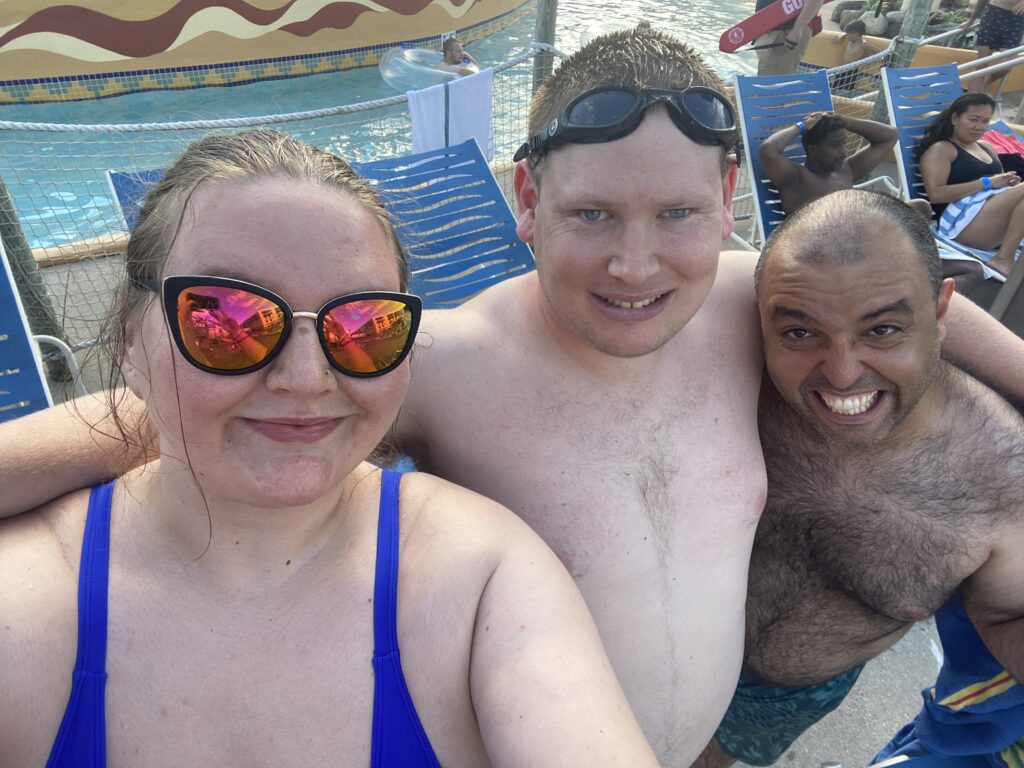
x=994, y=596
x=994, y=593
x=58, y=450
x=985, y=348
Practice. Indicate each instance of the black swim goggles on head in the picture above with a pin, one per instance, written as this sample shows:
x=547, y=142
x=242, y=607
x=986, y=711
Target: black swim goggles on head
x=611, y=112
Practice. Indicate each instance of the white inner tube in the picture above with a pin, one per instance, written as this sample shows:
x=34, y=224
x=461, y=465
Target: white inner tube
x=412, y=69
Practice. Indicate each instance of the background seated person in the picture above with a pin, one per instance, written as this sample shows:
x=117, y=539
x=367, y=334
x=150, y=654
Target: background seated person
x=857, y=47
x=456, y=59
x=975, y=202
x=828, y=169
x=262, y=575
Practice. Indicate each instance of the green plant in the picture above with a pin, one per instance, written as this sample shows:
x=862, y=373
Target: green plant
x=949, y=18
x=887, y=5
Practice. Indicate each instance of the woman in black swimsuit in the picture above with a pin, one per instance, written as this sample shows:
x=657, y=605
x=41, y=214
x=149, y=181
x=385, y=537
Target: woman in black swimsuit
x=965, y=182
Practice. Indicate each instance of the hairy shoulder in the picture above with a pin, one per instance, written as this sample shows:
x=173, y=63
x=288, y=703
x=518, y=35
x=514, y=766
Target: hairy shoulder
x=974, y=407
x=986, y=434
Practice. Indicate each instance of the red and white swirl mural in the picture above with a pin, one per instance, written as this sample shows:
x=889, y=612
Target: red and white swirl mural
x=47, y=39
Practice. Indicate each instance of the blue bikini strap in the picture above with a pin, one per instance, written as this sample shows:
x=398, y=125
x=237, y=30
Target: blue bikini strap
x=385, y=588
x=92, y=583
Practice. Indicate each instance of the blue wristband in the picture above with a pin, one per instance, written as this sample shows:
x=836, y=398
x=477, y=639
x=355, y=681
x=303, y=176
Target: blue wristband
x=801, y=127
x=986, y=182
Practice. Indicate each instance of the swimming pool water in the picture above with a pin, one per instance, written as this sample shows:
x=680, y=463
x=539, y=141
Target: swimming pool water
x=49, y=176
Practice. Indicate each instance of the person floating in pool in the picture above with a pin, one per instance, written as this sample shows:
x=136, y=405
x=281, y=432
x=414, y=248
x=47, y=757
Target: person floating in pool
x=456, y=59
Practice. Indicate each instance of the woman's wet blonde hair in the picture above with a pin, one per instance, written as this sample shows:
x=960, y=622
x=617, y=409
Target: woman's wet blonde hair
x=221, y=158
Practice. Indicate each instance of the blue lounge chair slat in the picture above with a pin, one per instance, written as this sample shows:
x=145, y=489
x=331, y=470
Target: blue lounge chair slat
x=450, y=215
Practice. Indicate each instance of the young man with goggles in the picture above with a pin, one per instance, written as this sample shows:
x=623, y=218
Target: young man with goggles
x=610, y=397
x=608, y=113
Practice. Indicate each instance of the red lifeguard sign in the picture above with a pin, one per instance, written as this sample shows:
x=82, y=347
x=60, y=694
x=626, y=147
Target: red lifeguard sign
x=764, y=21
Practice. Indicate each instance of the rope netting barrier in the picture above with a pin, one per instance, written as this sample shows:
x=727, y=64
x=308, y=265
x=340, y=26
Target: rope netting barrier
x=858, y=78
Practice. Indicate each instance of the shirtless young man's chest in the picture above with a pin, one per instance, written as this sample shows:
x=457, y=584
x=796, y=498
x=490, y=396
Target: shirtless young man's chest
x=857, y=544
x=648, y=486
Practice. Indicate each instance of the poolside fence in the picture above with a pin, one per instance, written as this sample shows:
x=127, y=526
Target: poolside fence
x=67, y=232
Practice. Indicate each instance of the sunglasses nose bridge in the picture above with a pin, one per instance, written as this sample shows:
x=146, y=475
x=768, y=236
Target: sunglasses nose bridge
x=300, y=359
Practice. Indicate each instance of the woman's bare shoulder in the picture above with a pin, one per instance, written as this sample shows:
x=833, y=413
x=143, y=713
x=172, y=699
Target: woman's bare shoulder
x=39, y=556
x=940, y=150
x=446, y=504
x=437, y=512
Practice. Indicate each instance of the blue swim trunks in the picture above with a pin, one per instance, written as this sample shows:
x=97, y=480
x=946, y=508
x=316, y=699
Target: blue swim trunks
x=764, y=720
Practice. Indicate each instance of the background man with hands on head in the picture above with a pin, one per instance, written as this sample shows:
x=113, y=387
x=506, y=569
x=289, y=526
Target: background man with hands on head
x=828, y=168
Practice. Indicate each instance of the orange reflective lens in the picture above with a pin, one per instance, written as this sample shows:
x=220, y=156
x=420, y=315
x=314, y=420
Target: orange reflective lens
x=228, y=329
x=366, y=335
x=229, y=326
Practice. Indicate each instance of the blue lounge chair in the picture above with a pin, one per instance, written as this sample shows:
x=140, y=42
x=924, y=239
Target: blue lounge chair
x=129, y=188
x=22, y=382
x=915, y=96
x=765, y=105
x=450, y=214
x=453, y=221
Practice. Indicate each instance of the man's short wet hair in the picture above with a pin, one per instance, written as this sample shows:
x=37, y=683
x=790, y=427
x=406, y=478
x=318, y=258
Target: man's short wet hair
x=640, y=57
x=832, y=228
x=449, y=44
x=821, y=130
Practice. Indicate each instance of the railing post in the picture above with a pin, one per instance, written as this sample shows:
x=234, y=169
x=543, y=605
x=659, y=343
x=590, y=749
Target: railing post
x=914, y=21
x=543, y=62
x=29, y=282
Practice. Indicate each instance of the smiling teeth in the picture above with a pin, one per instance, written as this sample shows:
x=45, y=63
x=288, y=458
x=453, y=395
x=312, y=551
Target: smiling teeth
x=849, y=406
x=633, y=304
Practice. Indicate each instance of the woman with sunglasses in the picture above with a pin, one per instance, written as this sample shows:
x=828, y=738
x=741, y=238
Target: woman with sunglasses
x=242, y=599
